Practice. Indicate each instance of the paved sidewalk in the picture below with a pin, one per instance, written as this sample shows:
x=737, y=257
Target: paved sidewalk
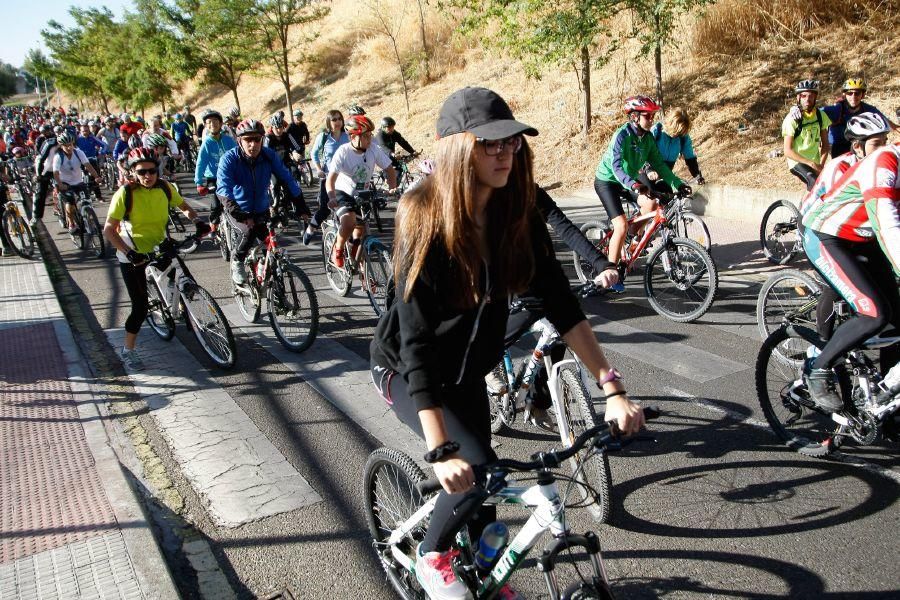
x=70, y=523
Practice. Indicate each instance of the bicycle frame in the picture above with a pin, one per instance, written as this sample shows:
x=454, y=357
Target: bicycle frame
x=548, y=514
x=169, y=295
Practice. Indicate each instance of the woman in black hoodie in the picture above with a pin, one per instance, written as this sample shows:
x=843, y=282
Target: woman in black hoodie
x=466, y=239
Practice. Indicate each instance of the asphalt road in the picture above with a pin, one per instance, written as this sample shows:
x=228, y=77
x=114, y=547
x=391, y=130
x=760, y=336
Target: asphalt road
x=716, y=508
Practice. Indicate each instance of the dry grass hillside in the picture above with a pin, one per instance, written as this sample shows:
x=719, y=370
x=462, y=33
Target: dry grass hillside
x=734, y=66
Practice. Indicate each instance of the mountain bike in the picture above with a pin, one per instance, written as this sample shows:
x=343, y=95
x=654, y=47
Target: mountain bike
x=787, y=292
x=89, y=234
x=20, y=172
x=303, y=172
x=364, y=255
x=291, y=298
x=406, y=177
x=172, y=292
x=15, y=230
x=778, y=232
x=399, y=501
x=680, y=277
x=572, y=406
x=110, y=172
x=781, y=390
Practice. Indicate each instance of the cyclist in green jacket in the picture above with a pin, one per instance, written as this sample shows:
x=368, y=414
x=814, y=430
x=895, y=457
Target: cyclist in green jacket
x=630, y=148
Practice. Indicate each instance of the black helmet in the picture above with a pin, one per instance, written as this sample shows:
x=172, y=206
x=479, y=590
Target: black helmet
x=355, y=109
x=807, y=85
x=211, y=114
x=388, y=122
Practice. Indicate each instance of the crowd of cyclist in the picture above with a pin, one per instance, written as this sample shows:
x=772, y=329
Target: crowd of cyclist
x=472, y=235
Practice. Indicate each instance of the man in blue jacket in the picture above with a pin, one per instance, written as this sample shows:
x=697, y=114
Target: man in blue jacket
x=92, y=147
x=242, y=184
x=215, y=145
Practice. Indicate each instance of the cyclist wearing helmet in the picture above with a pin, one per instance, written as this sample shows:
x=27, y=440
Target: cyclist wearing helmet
x=279, y=140
x=190, y=119
x=43, y=169
x=92, y=147
x=138, y=233
x=805, y=132
x=67, y=165
x=852, y=238
x=355, y=110
x=166, y=152
x=215, y=145
x=853, y=91
x=299, y=134
x=351, y=169
x=130, y=127
x=327, y=142
x=181, y=132
x=389, y=138
x=242, y=182
x=631, y=147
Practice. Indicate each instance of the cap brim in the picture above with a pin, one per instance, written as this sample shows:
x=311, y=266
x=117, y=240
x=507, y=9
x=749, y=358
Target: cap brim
x=498, y=130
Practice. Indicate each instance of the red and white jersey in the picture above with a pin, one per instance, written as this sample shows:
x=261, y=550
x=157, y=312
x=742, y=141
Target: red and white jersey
x=864, y=203
x=833, y=170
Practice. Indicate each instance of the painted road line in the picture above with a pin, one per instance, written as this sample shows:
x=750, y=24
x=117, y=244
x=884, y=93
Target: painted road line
x=239, y=475
x=683, y=360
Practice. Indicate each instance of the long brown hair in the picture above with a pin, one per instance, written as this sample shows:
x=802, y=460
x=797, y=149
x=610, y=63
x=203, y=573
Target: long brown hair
x=442, y=211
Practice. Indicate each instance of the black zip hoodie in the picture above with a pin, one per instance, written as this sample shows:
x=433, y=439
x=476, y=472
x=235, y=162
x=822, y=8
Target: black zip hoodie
x=437, y=347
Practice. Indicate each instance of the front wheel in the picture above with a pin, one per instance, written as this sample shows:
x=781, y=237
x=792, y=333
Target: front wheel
x=784, y=398
x=778, y=233
x=598, y=234
x=590, y=468
x=293, y=308
x=338, y=279
x=17, y=233
x=391, y=498
x=159, y=318
x=177, y=229
x=377, y=275
x=587, y=591
x=209, y=325
x=681, y=280
x=92, y=232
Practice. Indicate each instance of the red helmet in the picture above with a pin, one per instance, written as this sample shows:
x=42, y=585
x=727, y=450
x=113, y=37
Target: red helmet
x=640, y=104
x=358, y=124
x=139, y=155
x=250, y=127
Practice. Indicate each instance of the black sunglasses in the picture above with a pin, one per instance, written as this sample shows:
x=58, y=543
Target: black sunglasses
x=146, y=171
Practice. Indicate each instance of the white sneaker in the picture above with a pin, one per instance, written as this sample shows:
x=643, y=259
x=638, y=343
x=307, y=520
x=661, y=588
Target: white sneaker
x=435, y=573
x=495, y=384
x=541, y=418
x=132, y=360
x=238, y=272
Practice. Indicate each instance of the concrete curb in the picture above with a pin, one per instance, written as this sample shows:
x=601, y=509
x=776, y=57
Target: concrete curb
x=105, y=440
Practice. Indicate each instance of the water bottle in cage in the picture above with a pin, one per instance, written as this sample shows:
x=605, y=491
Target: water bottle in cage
x=492, y=541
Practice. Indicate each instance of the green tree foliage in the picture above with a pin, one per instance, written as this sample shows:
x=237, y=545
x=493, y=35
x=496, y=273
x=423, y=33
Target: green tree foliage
x=7, y=80
x=275, y=20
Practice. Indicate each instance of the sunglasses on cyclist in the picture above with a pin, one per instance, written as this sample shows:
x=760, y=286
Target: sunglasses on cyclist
x=495, y=147
x=146, y=171
x=853, y=92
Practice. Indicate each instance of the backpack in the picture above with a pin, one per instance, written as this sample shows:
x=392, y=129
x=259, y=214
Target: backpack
x=800, y=124
x=129, y=196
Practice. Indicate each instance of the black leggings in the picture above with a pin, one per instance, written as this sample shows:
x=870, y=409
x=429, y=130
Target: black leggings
x=39, y=197
x=136, y=284
x=863, y=276
x=323, y=211
x=467, y=418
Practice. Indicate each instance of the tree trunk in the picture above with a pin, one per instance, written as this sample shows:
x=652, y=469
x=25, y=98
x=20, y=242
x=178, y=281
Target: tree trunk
x=402, y=74
x=286, y=80
x=237, y=102
x=657, y=57
x=586, y=87
x=105, y=101
x=425, y=51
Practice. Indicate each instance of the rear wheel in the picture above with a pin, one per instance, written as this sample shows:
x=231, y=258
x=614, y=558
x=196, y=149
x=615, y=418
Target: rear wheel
x=17, y=233
x=247, y=299
x=590, y=468
x=338, y=279
x=784, y=398
x=692, y=227
x=158, y=316
x=377, y=275
x=786, y=292
x=209, y=325
x=778, y=233
x=598, y=234
x=391, y=498
x=92, y=232
x=681, y=280
x=293, y=308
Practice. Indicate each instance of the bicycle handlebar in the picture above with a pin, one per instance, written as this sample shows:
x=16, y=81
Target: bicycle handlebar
x=605, y=436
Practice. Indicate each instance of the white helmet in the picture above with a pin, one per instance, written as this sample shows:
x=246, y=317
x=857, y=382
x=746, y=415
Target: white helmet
x=865, y=125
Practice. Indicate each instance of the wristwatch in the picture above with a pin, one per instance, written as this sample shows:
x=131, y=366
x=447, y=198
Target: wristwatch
x=611, y=375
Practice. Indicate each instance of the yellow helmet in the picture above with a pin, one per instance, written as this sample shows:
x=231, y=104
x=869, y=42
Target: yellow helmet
x=855, y=83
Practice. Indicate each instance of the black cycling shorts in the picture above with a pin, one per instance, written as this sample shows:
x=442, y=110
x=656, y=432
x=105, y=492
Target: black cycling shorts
x=610, y=193
x=346, y=204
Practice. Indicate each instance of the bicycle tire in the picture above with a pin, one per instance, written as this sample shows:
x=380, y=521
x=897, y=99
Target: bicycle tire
x=92, y=230
x=784, y=399
x=159, y=318
x=376, y=214
x=286, y=306
x=61, y=211
x=17, y=233
x=582, y=590
x=774, y=237
x=595, y=471
x=377, y=274
x=693, y=265
x=306, y=176
x=78, y=239
x=595, y=232
x=247, y=299
x=338, y=279
x=503, y=411
x=392, y=475
x=177, y=229
x=213, y=332
x=784, y=293
x=691, y=226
